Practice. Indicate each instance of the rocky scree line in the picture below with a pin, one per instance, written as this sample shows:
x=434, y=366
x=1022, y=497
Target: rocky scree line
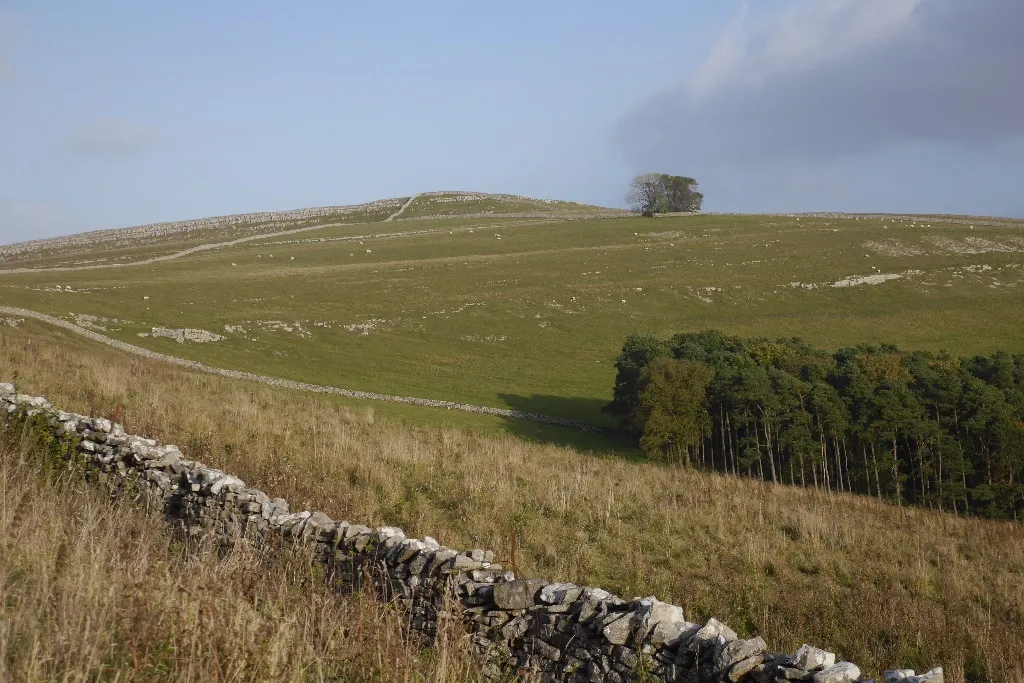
x=300, y=386
x=559, y=631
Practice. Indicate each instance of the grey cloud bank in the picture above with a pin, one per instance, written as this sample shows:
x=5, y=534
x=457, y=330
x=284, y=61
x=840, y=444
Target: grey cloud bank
x=831, y=80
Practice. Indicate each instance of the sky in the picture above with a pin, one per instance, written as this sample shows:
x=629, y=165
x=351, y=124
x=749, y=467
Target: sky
x=116, y=113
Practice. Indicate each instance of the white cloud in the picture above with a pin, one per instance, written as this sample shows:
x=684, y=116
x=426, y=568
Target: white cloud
x=831, y=78
x=111, y=138
x=805, y=36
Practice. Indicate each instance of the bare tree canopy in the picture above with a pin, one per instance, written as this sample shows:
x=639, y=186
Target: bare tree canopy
x=652, y=193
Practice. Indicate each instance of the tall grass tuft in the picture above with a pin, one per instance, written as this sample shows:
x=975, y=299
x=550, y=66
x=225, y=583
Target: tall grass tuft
x=94, y=589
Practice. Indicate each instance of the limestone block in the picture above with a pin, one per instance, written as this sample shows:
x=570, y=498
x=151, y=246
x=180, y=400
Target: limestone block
x=517, y=594
x=843, y=672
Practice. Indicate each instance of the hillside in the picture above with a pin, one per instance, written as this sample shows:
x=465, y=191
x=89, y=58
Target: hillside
x=95, y=591
x=880, y=585
x=523, y=304
x=122, y=246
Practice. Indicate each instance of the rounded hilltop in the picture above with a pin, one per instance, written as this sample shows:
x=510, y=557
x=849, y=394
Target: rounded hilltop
x=441, y=203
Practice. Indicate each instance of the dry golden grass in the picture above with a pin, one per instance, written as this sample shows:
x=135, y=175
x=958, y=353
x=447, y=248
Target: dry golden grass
x=881, y=585
x=93, y=590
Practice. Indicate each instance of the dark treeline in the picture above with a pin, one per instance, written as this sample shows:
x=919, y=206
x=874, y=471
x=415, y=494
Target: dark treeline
x=911, y=427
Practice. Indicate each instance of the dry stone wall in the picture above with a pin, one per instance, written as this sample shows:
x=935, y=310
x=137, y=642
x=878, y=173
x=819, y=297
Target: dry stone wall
x=125, y=236
x=559, y=631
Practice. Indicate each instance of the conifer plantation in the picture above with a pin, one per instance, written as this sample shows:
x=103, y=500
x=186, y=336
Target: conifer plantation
x=910, y=427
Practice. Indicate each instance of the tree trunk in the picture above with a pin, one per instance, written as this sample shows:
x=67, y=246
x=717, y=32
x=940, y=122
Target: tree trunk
x=967, y=504
x=920, y=463
x=846, y=460
x=732, y=448
x=867, y=468
x=874, y=462
x=771, y=454
x=896, y=472
x=757, y=441
x=721, y=435
x=825, y=474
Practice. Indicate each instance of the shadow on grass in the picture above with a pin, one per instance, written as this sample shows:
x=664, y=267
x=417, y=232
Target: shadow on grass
x=608, y=441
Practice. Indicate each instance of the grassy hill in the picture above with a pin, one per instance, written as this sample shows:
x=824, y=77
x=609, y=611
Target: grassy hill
x=520, y=303
x=881, y=585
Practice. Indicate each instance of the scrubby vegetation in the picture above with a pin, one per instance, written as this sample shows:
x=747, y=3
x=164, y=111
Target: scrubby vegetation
x=909, y=427
x=878, y=584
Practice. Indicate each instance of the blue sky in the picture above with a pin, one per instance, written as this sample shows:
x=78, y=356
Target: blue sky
x=121, y=113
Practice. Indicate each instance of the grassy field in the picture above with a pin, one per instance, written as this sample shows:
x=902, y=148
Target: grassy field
x=92, y=590
x=529, y=311
x=882, y=586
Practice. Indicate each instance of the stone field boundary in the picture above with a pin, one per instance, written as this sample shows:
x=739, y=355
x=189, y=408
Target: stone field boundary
x=553, y=631
x=298, y=386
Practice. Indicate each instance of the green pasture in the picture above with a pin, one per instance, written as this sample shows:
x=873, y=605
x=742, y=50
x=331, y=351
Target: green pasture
x=529, y=313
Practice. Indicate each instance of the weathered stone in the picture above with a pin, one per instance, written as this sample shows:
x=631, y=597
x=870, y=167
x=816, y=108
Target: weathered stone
x=936, y=675
x=736, y=651
x=461, y=563
x=660, y=622
x=593, y=603
x=360, y=542
x=438, y=559
x=390, y=536
x=559, y=593
x=897, y=675
x=515, y=629
x=711, y=635
x=517, y=594
x=793, y=674
x=741, y=669
x=619, y=628
x=811, y=658
x=419, y=562
x=319, y=525
x=353, y=530
x=408, y=549
x=545, y=650
x=843, y=672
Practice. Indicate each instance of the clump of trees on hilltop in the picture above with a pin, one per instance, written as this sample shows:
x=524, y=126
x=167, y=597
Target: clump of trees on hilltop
x=910, y=427
x=653, y=193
